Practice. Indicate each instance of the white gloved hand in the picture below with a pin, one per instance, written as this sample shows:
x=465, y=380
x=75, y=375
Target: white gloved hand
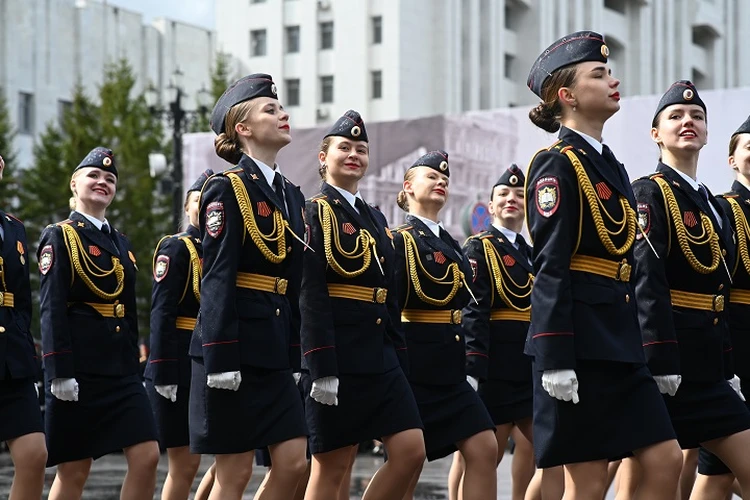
x=297, y=376
x=167, y=391
x=224, y=380
x=668, y=384
x=561, y=384
x=325, y=391
x=473, y=382
x=734, y=383
x=64, y=389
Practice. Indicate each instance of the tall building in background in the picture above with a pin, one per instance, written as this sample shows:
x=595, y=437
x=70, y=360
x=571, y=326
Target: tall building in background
x=47, y=46
x=393, y=59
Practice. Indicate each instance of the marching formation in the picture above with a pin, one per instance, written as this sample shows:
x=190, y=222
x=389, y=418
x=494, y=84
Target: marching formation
x=288, y=331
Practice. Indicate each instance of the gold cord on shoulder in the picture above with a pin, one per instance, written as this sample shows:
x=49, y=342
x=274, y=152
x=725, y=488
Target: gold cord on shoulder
x=330, y=226
x=743, y=233
x=195, y=266
x=413, y=261
x=497, y=271
x=85, y=267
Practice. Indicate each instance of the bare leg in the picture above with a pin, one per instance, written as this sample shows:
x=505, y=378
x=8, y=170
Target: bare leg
x=406, y=454
x=628, y=479
x=233, y=472
x=204, y=488
x=288, y=465
x=660, y=466
x=585, y=480
x=183, y=466
x=455, y=475
x=70, y=480
x=712, y=487
x=346, y=482
x=140, y=479
x=689, y=469
x=522, y=469
x=326, y=473
x=480, y=478
x=29, y=455
x=732, y=450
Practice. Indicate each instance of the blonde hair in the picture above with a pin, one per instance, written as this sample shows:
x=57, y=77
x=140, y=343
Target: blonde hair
x=227, y=144
x=402, y=199
x=72, y=201
x=322, y=170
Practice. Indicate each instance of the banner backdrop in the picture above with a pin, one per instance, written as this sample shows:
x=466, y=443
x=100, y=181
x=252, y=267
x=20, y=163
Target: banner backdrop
x=480, y=146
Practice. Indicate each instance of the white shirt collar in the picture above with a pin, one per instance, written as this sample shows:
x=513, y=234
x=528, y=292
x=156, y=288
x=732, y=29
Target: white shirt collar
x=267, y=171
x=351, y=198
x=508, y=233
x=96, y=222
x=432, y=225
x=692, y=182
x=594, y=143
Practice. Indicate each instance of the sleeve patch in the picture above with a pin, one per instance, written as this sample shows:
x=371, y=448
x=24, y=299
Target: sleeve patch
x=215, y=219
x=547, y=195
x=46, y=257
x=644, y=219
x=161, y=267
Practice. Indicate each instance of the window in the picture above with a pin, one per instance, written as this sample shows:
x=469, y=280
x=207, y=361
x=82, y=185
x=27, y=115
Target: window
x=377, y=30
x=292, y=92
x=376, y=77
x=25, y=113
x=326, y=89
x=292, y=39
x=63, y=108
x=509, y=59
x=326, y=35
x=257, y=43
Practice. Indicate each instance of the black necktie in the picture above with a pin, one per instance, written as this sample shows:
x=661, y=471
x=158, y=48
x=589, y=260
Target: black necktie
x=523, y=247
x=362, y=208
x=609, y=156
x=704, y=196
x=111, y=235
x=278, y=186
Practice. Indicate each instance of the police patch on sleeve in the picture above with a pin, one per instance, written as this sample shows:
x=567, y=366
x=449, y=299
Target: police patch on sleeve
x=547, y=195
x=161, y=267
x=45, y=259
x=215, y=219
x=644, y=219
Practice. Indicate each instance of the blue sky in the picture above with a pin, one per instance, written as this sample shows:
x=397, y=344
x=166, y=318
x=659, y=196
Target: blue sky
x=198, y=12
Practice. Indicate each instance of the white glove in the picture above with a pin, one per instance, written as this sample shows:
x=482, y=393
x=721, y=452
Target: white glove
x=297, y=376
x=734, y=383
x=64, y=389
x=473, y=382
x=561, y=384
x=325, y=391
x=167, y=391
x=224, y=380
x=668, y=384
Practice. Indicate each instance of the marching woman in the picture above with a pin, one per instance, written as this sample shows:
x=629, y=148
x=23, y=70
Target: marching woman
x=687, y=272
x=497, y=323
x=594, y=398
x=245, y=346
x=21, y=424
x=175, y=300
x=431, y=275
x=355, y=387
x=95, y=401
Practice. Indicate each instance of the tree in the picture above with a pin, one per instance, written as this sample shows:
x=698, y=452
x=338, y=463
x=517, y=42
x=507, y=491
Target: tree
x=221, y=78
x=9, y=185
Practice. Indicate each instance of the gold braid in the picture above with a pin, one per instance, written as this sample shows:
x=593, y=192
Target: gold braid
x=743, y=233
x=195, y=266
x=412, y=259
x=497, y=269
x=330, y=226
x=74, y=245
x=279, y=224
x=605, y=235
x=684, y=238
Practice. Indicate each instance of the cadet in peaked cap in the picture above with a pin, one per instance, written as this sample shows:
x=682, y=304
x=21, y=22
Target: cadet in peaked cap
x=581, y=217
x=351, y=126
x=512, y=177
x=437, y=160
x=99, y=157
x=244, y=89
x=681, y=92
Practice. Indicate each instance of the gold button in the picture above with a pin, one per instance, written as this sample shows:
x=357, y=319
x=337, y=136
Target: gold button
x=2, y=329
x=716, y=321
x=724, y=252
x=278, y=311
x=378, y=321
x=117, y=328
x=382, y=259
x=289, y=249
x=627, y=297
x=721, y=286
x=458, y=338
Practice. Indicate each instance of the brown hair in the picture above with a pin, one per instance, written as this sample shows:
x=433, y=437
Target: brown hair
x=733, y=142
x=548, y=113
x=401, y=199
x=322, y=169
x=227, y=144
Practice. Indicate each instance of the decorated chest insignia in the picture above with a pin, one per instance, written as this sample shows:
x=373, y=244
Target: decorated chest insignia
x=508, y=260
x=388, y=232
x=21, y=252
x=81, y=224
x=644, y=218
x=547, y=195
x=161, y=267
x=689, y=219
x=263, y=209
x=348, y=228
x=473, y=263
x=45, y=259
x=439, y=257
x=603, y=190
x=215, y=218
x=94, y=250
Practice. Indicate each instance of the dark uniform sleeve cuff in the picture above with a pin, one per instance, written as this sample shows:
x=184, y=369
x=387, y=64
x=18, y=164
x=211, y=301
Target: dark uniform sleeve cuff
x=322, y=362
x=477, y=366
x=166, y=372
x=59, y=365
x=663, y=358
x=554, y=351
x=295, y=358
x=221, y=357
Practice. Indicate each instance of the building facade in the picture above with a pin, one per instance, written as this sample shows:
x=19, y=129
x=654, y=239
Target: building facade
x=396, y=59
x=48, y=46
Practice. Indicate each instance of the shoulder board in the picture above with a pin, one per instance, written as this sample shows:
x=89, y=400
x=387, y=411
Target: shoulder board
x=64, y=222
x=319, y=196
x=557, y=146
x=235, y=170
x=730, y=194
x=402, y=228
x=481, y=235
x=654, y=176
x=14, y=218
x=648, y=177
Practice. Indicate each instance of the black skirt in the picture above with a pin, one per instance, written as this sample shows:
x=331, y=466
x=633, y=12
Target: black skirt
x=265, y=410
x=112, y=413
x=370, y=407
x=702, y=411
x=508, y=401
x=620, y=410
x=19, y=409
x=171, y=417
x=450, y=413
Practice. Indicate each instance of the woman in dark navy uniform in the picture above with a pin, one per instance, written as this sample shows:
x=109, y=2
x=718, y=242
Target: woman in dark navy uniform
x=431, y=273
x=594, y=398
x=687, y=274
x=20, y=417
x=175, y=300
x=245, y=346
x=497, y=323
x=355, y=387
x=95, y=401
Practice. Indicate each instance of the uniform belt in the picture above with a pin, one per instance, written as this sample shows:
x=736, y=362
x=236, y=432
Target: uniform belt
x=7, y=299
x=184, y=323
x=452, y=316
x=355, y=292
x=510, y=315
x=619, y=271
x=702, y=301
x=739, y=296
x=108, y=310
x=262, y=283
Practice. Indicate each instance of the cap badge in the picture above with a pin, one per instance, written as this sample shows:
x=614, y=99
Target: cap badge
x=106, y=161
x=356, y=131
x=688, y=94
x=273, y=88
x=443, y=166
x=605, y=51
x=513, y=180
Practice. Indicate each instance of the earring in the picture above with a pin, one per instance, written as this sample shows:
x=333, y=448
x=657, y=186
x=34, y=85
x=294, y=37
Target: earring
x=574, y=108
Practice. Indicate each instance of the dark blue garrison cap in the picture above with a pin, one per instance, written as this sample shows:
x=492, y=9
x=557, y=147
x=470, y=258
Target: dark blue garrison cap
x=201, y=180
x=681, y=92
x=99, y=157
x=437, y=160
x=744, y=128
x=244, y=89
x=513, y=177
x=351, y=126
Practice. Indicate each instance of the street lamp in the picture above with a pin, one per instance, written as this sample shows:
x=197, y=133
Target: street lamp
x=180, y=120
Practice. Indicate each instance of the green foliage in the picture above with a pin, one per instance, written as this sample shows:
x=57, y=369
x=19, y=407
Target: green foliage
x=221, y=78
x=9, y=185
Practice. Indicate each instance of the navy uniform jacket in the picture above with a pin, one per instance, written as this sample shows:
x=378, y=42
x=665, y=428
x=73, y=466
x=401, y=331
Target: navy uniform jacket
x=17, y=354
x=689, y=342
x=736, y=205
x=342, y=335
x=173, y=296
x=578, y=314
x=240, y=326
x=75, y=337
x=494, y=348
x=436, y=350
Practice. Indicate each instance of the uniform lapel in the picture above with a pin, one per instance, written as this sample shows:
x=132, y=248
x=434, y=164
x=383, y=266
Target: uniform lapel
x=505, y=246
x=433, y=241
x=255, y=176
x=338, y=200
x=93, y=233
